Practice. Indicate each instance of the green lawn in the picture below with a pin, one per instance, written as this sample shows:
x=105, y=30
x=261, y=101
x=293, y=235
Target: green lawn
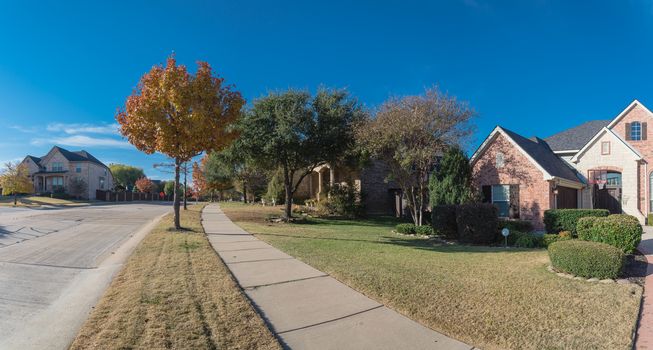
x=491, y=298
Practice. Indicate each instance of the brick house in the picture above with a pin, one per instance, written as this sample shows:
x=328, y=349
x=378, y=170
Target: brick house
x=54, y=171
x=598, y=164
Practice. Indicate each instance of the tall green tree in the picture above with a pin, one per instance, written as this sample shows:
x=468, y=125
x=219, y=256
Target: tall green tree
x=452, y=182
x=409, y=134
x=180, y=114
x=295, y=132
x=14, y=179
x=126, y=175
x=234, y=165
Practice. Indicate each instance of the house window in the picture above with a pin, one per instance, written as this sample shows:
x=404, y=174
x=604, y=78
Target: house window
x=500, y=161
x=501, y=199
x=605, y=148
x=635, y=131
x=101, y=183
x=78, y=169
x=57, y=166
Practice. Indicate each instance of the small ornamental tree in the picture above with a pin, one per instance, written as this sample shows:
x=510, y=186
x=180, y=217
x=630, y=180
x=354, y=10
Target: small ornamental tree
x=15, y=179
x=77, y=187
x=180, y=115
x=295, y=133
x=451, y=184
x=126, y=175
x=409, y=134
x=144, y=185
x=200, y=187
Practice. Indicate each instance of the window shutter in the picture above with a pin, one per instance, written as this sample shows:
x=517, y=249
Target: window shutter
x=627, y=131
x=644, y=131
x=487, y=194
x=514, y=202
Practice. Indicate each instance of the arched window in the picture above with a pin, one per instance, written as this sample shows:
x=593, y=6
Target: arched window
x=636, y=131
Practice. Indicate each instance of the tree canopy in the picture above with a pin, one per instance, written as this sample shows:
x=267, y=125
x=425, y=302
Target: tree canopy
x=295, y=132
x=144, y=185
x=126, y=175
x=180, y=114
x=15, y=179
x=409, y=134
x=452, y=182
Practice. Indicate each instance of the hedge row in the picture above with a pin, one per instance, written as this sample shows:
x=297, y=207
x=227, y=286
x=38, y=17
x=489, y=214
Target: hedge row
x=557, y=220
x=470, y=223
x=620, y=230
x=587, y=259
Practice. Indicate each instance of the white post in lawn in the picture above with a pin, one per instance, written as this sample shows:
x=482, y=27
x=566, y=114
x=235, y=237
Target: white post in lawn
x=505, y=232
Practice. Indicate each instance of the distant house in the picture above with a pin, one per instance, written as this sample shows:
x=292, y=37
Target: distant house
x=599, y=164
x=53, y=172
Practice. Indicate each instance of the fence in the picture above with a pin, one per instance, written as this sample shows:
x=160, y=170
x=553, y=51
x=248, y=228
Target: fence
x=109, y=196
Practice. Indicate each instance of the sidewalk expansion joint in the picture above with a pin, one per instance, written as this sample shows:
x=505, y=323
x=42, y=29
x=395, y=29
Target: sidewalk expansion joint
x=250, y=261
x=332, y=320
x=283, y=282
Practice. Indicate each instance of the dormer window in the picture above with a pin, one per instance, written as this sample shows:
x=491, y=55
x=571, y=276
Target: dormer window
x=636, y=131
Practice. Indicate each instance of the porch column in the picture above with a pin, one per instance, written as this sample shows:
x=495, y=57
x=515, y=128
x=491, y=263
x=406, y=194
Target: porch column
x=332, y=179
x=319, y=184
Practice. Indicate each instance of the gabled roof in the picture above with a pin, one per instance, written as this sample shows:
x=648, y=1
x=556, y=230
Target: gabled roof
x=78, y=156
x=36, y=160
x=537, y=151
x=575, y=138
x=625, y=111
x=591, y=142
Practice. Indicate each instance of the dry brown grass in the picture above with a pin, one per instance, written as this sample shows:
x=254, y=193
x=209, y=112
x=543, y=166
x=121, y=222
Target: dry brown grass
x=489, y=297
x=174, y=293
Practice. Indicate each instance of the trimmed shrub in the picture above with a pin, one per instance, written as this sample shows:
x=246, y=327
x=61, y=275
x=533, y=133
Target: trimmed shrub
x=557, y=220
x=527, y=240
x=343, y=201
x=621, y=231
x=444, y=220
x=587, y=259
x=547, y=239
x=424, y=230
x=406, y=229
x=516, y=225
x=477, y=223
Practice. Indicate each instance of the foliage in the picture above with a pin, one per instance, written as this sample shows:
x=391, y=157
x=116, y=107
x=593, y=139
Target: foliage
x=444, y=220
x=169, y=188
x=343, y=201
x=180, y=114
x=557, y=220
x=234, y=166
x=15, y=179
x=549, y=238
x=528, y=240
x=77, y=187
x=406, y=229
x=649, y=221
x=477, y=223
x=424, y=230
x=144, y=185
x=295, y=133
x=587, y=259
x=409, y=134
x=126, y=175
x=452, y=182
x=621, y=231
x=274, y=192
x=516, y=225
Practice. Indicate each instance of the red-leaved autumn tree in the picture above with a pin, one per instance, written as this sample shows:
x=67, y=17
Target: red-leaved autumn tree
x=144, y=185
x=180, y=114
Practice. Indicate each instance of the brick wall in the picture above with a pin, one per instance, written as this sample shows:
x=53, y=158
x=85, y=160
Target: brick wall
x=535, y=195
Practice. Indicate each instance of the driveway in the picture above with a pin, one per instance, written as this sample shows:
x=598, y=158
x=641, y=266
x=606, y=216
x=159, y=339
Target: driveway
x=56, y=263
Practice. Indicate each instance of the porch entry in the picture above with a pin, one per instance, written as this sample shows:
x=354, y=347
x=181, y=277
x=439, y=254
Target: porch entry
x=606, y=190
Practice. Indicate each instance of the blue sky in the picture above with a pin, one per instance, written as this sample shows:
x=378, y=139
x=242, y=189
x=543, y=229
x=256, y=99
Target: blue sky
x=536, y=67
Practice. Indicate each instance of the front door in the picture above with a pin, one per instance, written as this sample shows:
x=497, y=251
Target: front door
x=606, y=192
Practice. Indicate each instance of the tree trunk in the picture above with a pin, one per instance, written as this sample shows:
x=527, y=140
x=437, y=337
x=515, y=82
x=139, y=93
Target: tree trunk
x=185, y=186
x=245, y=192
x=176, y=195
x=288, y=189
x=15, y=199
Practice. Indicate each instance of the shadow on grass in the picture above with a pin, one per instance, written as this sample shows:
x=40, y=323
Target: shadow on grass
x=387, y=221
x=421, y=244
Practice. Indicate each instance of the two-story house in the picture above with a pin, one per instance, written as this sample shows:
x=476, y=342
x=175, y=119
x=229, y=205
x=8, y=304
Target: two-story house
x=54, y=171
x=598, y=164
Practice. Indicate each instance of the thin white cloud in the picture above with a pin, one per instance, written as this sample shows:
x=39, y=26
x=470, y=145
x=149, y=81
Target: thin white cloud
x=75, y=128
x=23, y=129
x=83, y=141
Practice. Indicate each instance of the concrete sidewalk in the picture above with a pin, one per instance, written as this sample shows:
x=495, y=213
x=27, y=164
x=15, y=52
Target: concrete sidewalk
x=306, y=308
x=644, y=338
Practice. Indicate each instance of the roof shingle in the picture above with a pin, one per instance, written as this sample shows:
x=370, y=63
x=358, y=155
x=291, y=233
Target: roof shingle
x=576, y=137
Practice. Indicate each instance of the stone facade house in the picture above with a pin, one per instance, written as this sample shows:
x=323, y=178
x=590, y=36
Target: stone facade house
x=380, y=197
x=54, y=171
x=598, y=164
